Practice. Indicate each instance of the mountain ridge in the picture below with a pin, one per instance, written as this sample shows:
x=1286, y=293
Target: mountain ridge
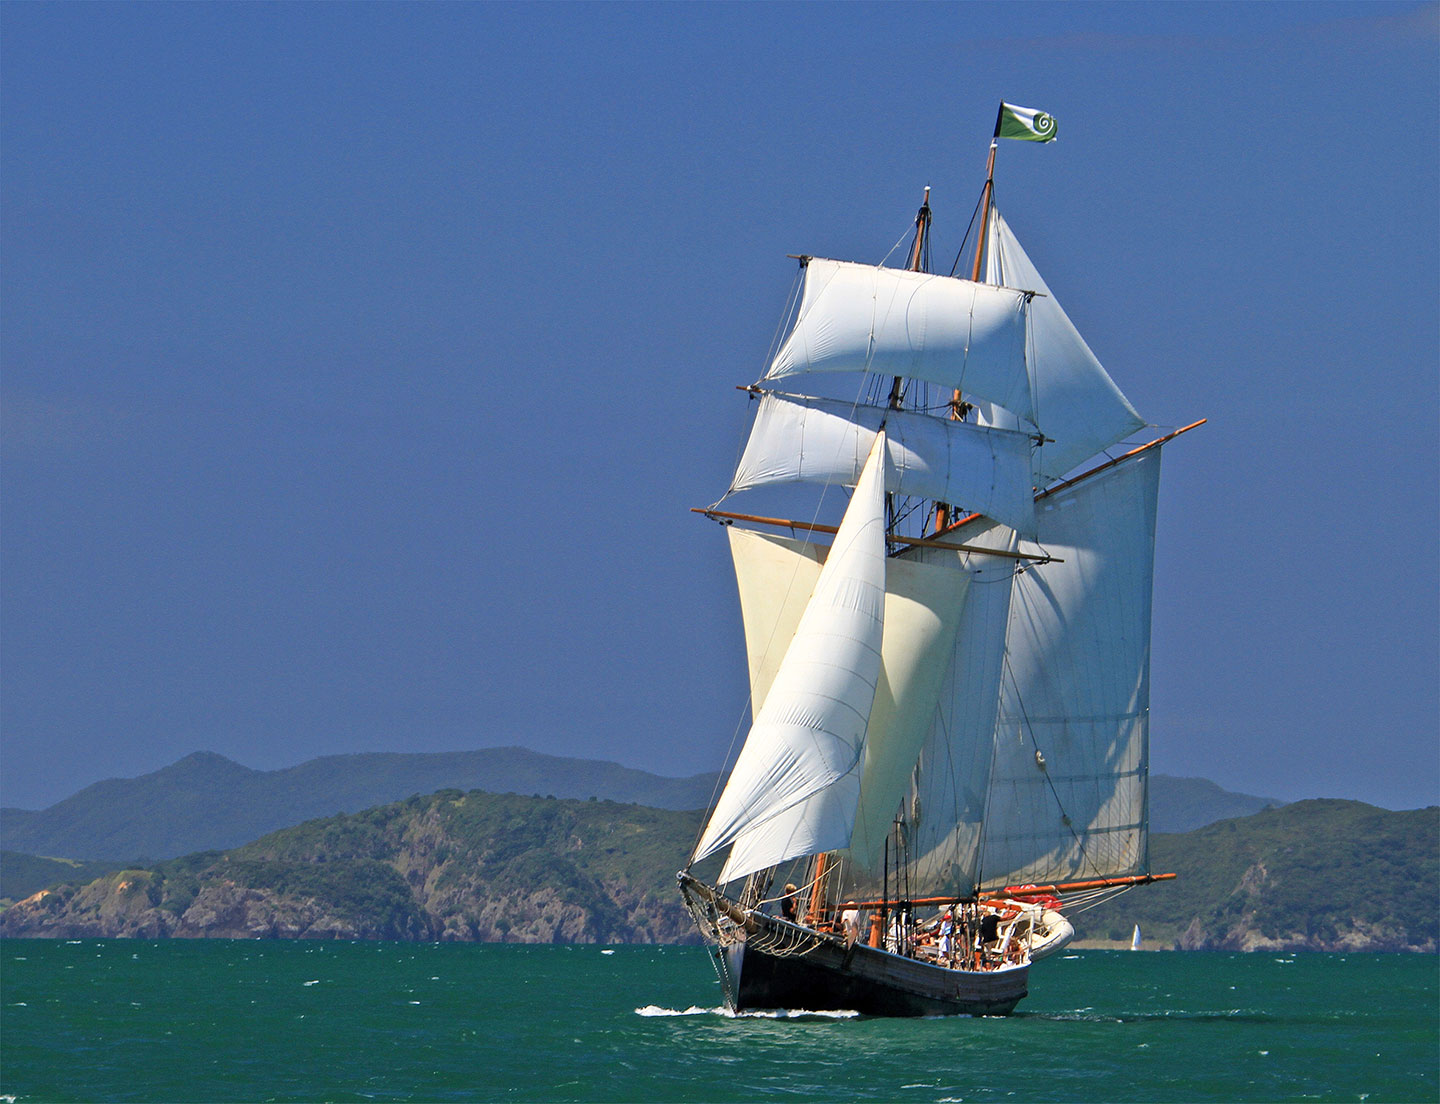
x=1319, y=875
x=205, y=801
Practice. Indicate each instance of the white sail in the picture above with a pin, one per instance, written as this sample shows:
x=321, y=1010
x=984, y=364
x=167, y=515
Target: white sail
x=923, y=605
x=1067, y=794
x=945, y=813
x=775, y=577
x=983, y=470
x=1076, y=404
x=923, y=609
x=805, y=747
x=861, y=318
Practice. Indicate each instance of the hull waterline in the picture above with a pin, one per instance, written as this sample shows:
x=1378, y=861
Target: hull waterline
x=865, y=980
x=766, y=963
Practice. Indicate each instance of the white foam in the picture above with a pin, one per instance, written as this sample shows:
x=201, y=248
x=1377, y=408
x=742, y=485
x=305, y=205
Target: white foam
x=693, y=1010
x=607, y=952
x=766, y=1014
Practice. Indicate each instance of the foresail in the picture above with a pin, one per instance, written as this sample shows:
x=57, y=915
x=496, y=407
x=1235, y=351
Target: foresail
x=775, y=577
x=923, y=607
x=861, y=318
x=980, y=469
x=805, y=747
x=1076, y=404
x=1067, y=794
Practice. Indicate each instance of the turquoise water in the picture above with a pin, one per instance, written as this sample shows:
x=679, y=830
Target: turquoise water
x=124, y=1020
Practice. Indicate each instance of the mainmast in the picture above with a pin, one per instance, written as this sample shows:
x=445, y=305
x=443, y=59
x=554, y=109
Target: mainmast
x=985, y=198
x=957, y=405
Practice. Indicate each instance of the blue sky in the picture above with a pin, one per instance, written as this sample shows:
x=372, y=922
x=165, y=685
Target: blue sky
x=359, y=364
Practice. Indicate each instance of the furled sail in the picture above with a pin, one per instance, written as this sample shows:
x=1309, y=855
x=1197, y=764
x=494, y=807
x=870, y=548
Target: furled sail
x=803, y=756
x=923, y=604
x=1076, y=404
x=982, y=469
x=893, y=322
x=1067, y=795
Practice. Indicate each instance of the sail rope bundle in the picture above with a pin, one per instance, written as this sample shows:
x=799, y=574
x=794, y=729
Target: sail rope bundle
x=780, y=939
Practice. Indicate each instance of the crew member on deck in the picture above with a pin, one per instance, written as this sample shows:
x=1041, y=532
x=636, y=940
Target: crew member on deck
x=989, y=928
x=947, y=935
x=787, y=902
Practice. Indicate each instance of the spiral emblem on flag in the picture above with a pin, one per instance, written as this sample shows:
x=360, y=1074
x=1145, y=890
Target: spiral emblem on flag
x=1044, y=124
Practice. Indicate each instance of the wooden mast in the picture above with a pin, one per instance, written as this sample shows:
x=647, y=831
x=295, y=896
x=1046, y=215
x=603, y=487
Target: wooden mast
x=942, y=509
x=917, y=259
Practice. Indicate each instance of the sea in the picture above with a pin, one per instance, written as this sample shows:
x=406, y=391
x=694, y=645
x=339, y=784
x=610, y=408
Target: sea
x=126, y=1020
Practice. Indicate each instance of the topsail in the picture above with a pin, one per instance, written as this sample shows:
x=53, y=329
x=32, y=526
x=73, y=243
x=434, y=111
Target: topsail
x=861, y=318
x=812, y=440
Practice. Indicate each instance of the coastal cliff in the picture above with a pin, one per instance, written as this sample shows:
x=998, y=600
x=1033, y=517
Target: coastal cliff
x=481, y=867
x=466, y=867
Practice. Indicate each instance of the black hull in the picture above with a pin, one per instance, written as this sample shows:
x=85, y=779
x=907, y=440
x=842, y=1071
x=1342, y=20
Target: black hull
x=833, y=977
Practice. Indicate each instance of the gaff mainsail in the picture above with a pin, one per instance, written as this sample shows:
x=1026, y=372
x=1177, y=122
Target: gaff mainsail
x=1035, y=770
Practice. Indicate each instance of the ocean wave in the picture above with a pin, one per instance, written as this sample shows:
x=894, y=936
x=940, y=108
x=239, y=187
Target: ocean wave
x=764, y=1014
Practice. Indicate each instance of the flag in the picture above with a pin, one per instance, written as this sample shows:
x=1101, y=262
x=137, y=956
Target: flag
x=1024, y=123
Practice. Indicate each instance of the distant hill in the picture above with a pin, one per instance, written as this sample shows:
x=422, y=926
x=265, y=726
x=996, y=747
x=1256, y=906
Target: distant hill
x=1184, y=804
x=21, y=875
x=207, y=802
x=1315, y=875
x=451, y=866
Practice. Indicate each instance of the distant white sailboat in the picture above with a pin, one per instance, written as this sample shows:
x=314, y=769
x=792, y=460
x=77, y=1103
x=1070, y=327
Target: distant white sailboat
x=1135, y=939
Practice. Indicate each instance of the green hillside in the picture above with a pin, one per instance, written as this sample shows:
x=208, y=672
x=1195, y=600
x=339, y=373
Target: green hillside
x=1325, y=875
x=450, y=866
x=1318, y=875
x=22, y=875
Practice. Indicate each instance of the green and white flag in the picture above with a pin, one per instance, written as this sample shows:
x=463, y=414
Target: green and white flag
x=1025, y=123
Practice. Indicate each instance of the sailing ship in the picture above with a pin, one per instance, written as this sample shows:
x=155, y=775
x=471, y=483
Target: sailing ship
x=950, y=699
